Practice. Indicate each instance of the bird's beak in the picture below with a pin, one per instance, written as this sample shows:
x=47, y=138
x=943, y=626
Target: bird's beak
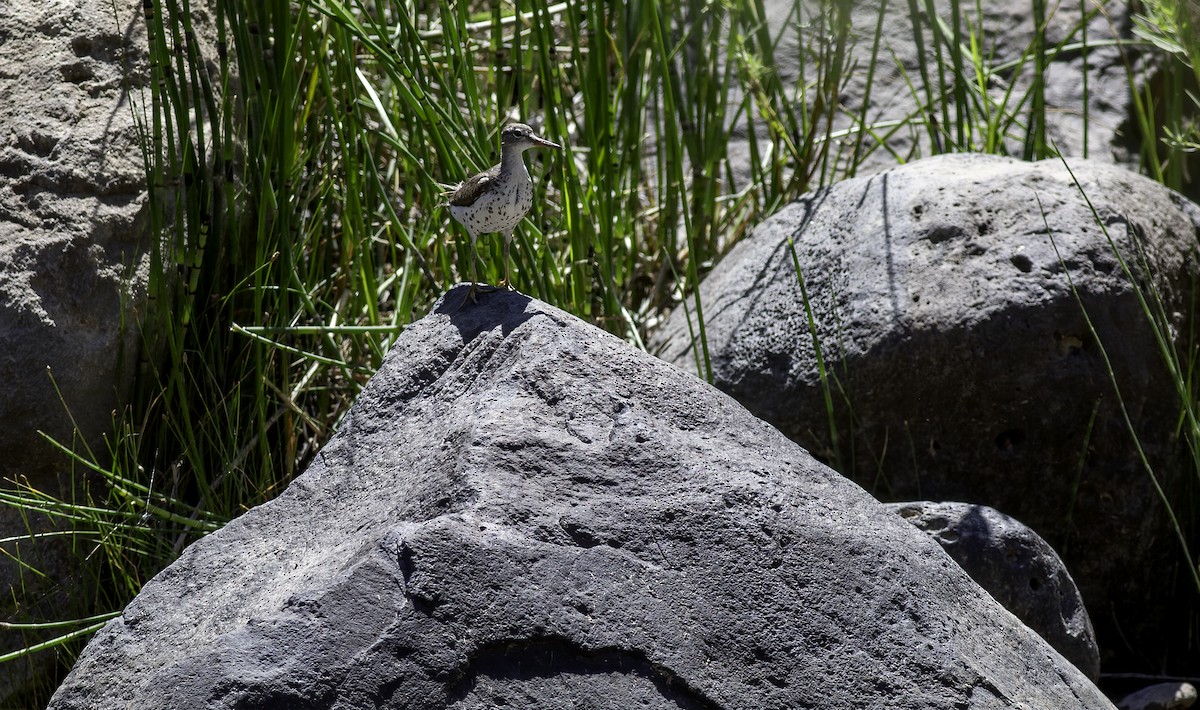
x=545, y=143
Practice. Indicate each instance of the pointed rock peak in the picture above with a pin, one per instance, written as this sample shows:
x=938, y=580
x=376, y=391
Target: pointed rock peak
x=523, y=510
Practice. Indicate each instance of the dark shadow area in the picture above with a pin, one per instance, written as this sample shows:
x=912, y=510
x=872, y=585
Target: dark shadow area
x=492, y=307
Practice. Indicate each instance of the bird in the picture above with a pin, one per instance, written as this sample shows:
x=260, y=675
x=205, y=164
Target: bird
x=497, y=199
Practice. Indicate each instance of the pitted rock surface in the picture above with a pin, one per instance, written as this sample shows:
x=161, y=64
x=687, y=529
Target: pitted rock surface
x=72, y=275
x=961, y=366
x=522, y=510
x=74, y=263
x=72, y=241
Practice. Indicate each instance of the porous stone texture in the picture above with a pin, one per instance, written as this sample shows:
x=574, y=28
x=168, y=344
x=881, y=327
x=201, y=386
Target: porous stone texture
x=1094, y=84
x=72, y=265
x=71, y=241
x=522, y=510
x=1017, y=567
x=960, y=364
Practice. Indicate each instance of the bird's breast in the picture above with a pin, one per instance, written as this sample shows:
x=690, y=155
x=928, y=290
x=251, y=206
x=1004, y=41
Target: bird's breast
x=498, y=209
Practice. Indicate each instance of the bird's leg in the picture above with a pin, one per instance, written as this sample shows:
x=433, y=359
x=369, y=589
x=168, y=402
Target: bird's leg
x=484, y=288
x=474, y=270
x=506, y=284
x=474, y=277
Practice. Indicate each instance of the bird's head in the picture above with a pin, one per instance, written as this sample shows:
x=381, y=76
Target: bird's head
x=522, y=137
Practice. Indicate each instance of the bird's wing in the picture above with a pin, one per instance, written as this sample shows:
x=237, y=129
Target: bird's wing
x=469, y=191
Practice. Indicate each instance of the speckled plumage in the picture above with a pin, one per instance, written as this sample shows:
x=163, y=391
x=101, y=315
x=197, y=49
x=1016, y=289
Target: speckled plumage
x=497, y=199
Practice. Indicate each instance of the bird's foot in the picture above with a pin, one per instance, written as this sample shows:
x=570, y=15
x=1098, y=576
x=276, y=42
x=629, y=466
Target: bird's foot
x=470, y=297
x=477, y=289
x=504, y=285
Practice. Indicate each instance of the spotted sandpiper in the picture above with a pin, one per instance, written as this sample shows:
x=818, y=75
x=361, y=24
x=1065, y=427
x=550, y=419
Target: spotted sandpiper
x=496, y=199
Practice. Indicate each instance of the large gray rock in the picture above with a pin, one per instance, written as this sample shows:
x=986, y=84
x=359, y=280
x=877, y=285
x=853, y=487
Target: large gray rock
x=72, y=243
x=72, y=268
x=520, y=509
x=961, y=365
x=1017, y=567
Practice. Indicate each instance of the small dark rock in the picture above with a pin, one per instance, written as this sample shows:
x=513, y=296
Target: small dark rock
x=1018, y=568
x=1163, y=696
